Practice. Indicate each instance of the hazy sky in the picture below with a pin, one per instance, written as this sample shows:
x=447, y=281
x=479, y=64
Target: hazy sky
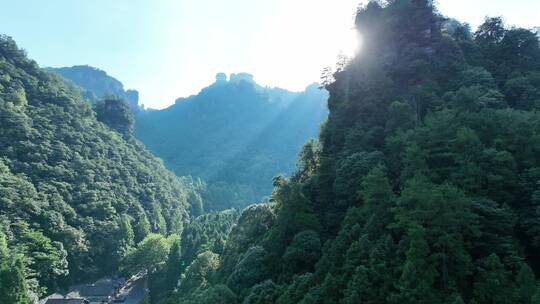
x=172, y=48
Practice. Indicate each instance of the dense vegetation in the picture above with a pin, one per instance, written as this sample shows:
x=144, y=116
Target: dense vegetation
x=204, y=234
x=424, y=186
x=77, y=191
x=235, y=135
x=95, y=84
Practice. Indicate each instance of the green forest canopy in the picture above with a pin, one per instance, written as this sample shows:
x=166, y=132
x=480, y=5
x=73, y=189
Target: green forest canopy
x=423, y=186
x=76, y=194
x=95, y=84
x=235, y=135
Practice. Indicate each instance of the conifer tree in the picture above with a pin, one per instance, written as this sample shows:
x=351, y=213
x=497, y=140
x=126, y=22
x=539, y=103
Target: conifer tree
x=13, y=287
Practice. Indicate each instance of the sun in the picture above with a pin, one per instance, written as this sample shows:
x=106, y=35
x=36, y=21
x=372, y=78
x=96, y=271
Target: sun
x=350, y=43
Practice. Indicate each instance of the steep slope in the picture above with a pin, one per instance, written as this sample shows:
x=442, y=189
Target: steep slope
x=424, y=187
x=235, y=135
x=95, y=84
x=74, y=194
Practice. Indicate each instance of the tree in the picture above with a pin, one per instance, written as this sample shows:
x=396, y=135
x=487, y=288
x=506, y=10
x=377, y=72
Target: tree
x=116, y=114
x=174, y=267
x=142, y=227
x=526, y=284
x=350, y=175
x=493, y=283
x=151, y=254
x=48, y=259
x=215, y=294
x=358, y=287
x=400, y=116
x=263, y=293
x=159, y=225
x=198, y=273
x=520, y=49
x=303, y=252
x=250, y=270
x=442, y=215
x=496, y=225
x=13, y=286
x=124, y=238
x=376, y=191
x=536, y=297
x=295, y=291
x=418, y=276
x=308, y=161
x=458, y=300
x=491, y=31
x=126, y=235
x=12, y=280
x=18, y=97
x=522, y=92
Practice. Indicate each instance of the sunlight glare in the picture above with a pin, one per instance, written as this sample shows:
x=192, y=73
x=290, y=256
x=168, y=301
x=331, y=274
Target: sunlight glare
x=350, y=43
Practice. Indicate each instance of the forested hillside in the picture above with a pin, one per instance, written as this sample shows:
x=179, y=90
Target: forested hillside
x=235, y=135
x=77, y=191
x=95, y=84
x=423, y=187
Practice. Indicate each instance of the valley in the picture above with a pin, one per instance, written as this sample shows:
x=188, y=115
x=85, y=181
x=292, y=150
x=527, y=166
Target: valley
x=411, y=174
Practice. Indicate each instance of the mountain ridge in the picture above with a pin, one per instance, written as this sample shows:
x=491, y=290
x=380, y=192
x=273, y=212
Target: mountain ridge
x=96, y=84
x=217, y=134
x=234, y=135
x=75, y=194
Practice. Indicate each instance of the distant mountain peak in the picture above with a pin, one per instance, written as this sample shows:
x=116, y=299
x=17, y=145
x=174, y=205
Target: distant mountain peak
x=235, y=134
x=221, y=78
x=96, y=84
x=242, y=77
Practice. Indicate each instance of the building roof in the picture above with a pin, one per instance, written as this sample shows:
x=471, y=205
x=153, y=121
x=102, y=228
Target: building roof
x=101, y=288
x=66, y=301
x=96, y=290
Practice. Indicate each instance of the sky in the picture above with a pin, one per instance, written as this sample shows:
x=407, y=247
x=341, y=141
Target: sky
x=167, y=49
